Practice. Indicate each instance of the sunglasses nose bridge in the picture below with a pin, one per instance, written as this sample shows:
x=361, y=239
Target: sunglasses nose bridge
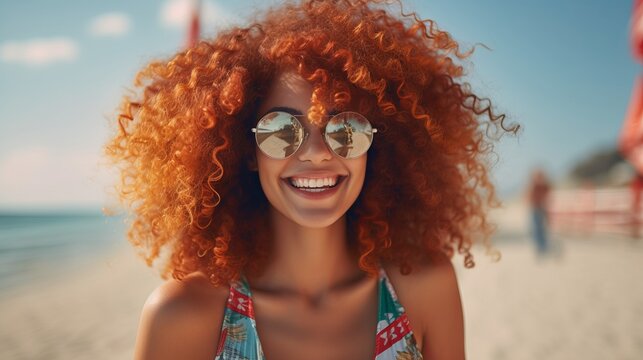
x=314, y=147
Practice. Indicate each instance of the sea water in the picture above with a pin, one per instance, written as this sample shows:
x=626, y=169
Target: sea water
x=35, y=245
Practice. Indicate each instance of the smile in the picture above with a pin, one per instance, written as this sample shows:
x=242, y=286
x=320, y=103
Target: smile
x=313, y=183
x=315, y=186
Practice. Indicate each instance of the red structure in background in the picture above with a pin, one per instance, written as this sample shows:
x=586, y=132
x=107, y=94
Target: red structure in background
x=637, y=30
x=194, y=29
x=631, y=139
x=588, y=210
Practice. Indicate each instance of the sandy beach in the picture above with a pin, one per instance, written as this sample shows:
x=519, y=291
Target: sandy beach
x=89, y=314
x=585, y=303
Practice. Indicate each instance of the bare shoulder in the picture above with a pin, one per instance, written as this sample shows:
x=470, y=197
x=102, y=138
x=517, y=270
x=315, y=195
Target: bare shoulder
x=181, y=320
x=431, y=297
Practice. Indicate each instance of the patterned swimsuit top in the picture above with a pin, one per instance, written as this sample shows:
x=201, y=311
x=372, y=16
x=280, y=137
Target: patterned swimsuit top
x=239, y=339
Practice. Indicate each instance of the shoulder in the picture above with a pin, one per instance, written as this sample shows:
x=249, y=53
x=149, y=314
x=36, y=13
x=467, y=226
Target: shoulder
x=181, y=319
x=431, y=298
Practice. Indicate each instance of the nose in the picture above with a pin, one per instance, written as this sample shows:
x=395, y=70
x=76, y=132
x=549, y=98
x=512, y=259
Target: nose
x=314, y=148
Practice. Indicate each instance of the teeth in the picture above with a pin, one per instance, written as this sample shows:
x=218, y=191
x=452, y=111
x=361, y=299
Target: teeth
x=313, y=183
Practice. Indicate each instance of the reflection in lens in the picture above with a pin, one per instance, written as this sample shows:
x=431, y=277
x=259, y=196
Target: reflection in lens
x=349, y=134
x=279, y=134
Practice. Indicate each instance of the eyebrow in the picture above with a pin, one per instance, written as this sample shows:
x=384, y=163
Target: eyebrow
x=293, y=111
x=284, y=109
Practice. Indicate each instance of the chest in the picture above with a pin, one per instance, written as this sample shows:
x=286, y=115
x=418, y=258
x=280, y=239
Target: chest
x=343, y=326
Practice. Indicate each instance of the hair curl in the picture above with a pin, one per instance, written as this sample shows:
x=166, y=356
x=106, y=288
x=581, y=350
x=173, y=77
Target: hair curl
x=183, y=139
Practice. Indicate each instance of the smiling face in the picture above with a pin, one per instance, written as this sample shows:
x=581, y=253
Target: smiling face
x=314, y=187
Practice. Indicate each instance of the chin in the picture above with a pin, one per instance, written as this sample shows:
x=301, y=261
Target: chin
x=316, y=221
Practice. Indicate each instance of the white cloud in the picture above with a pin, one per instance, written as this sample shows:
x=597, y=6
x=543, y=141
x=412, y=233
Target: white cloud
x=41, y=176
x=37, y=52
x=110, y=24
x=177, y=14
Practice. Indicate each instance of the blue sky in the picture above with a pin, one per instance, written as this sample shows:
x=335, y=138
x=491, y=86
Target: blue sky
x=562, y=69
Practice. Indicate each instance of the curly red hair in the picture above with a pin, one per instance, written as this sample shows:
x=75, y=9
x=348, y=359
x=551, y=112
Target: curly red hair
x=184, y=140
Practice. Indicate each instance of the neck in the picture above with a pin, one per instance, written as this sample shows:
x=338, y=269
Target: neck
x=308, y=261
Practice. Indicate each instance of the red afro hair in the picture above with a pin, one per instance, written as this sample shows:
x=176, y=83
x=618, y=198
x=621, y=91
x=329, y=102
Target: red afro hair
x=183, y=140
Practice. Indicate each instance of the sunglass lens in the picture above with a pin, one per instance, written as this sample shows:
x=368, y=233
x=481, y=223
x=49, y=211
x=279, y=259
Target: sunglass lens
x=279, y=134
x=349, y=134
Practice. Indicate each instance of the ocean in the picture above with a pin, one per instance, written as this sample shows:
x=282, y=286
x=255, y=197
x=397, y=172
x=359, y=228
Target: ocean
x=33, y=246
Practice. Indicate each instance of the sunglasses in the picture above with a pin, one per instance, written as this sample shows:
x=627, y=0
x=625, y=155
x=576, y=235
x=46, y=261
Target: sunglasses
x=279, y=134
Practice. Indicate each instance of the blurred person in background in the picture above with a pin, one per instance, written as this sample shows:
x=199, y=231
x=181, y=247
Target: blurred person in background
x=538, y=197
x=249, y=157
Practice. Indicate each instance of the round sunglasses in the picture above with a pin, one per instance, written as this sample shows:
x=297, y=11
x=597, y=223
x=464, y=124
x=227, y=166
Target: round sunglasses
x=279, y=134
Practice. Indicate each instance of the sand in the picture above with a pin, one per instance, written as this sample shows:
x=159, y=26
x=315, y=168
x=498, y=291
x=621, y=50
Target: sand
x=89, y=314
x=585, y=303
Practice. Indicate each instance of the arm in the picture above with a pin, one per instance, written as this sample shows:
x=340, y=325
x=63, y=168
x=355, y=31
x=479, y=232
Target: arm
x=443, y=320
x=431, y=298
x=180, y=320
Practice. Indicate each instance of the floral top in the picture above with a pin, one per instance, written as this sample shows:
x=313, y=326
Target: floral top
x=239, y=339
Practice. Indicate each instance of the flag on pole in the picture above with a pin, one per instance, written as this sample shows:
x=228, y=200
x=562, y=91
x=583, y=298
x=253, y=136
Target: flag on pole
x=194, y=25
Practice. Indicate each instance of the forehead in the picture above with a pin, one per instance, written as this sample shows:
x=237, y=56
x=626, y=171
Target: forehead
x=288, y=89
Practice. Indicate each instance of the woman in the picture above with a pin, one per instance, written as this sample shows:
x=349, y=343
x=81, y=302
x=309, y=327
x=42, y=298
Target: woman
x=309, y=178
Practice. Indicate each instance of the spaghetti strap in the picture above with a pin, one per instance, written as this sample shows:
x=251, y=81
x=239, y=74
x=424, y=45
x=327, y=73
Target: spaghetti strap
x=239, y=338
x=387, y=281
x=394, y=337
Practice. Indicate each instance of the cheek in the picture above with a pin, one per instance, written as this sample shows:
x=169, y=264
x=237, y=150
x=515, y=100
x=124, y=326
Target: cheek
x=264, y=168
x=358, y=171
x=360, y=166
x=269, y=170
